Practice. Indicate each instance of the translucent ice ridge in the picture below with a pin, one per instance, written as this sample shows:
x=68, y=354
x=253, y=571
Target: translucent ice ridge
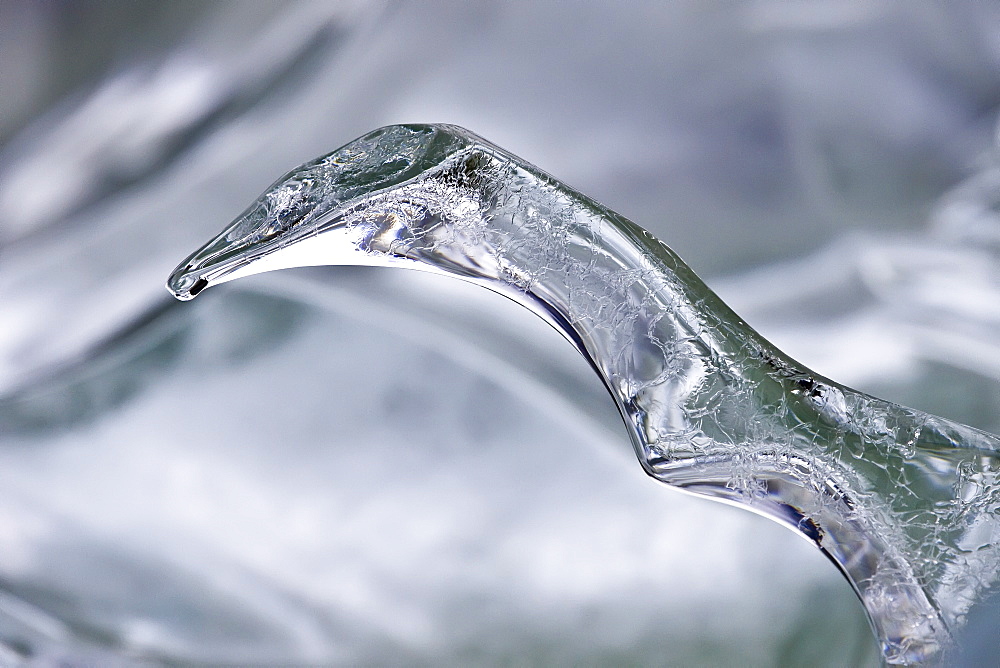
x=905, y=503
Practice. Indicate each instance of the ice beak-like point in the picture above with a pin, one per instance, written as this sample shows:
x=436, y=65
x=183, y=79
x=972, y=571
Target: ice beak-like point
x=310, y=199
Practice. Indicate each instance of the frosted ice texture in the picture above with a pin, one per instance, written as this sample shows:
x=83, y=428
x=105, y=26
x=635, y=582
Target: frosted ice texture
x=903, y=502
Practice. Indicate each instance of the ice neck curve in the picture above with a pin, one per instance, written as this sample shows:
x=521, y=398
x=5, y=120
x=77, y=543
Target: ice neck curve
x=896, y=498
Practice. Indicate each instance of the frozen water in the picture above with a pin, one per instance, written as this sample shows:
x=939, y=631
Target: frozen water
x=903, y=502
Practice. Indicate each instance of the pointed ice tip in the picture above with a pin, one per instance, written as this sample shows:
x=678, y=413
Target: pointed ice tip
x=184, y=286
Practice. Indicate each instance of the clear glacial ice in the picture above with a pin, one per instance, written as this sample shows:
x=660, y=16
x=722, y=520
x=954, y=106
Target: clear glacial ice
x=904, y=503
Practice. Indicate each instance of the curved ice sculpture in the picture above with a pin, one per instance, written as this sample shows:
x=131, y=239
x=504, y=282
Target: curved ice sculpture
x=906, y=504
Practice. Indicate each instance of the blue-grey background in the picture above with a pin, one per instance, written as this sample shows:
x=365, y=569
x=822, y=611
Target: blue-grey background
x=353, y=466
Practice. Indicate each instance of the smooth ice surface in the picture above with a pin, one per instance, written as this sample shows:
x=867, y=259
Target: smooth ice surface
x=902, y=501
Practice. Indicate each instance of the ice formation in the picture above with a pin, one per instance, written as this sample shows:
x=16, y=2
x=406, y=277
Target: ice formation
x=905, y=503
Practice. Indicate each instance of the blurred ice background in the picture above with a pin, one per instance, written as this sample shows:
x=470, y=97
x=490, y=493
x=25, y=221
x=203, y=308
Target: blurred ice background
x=363, y=467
